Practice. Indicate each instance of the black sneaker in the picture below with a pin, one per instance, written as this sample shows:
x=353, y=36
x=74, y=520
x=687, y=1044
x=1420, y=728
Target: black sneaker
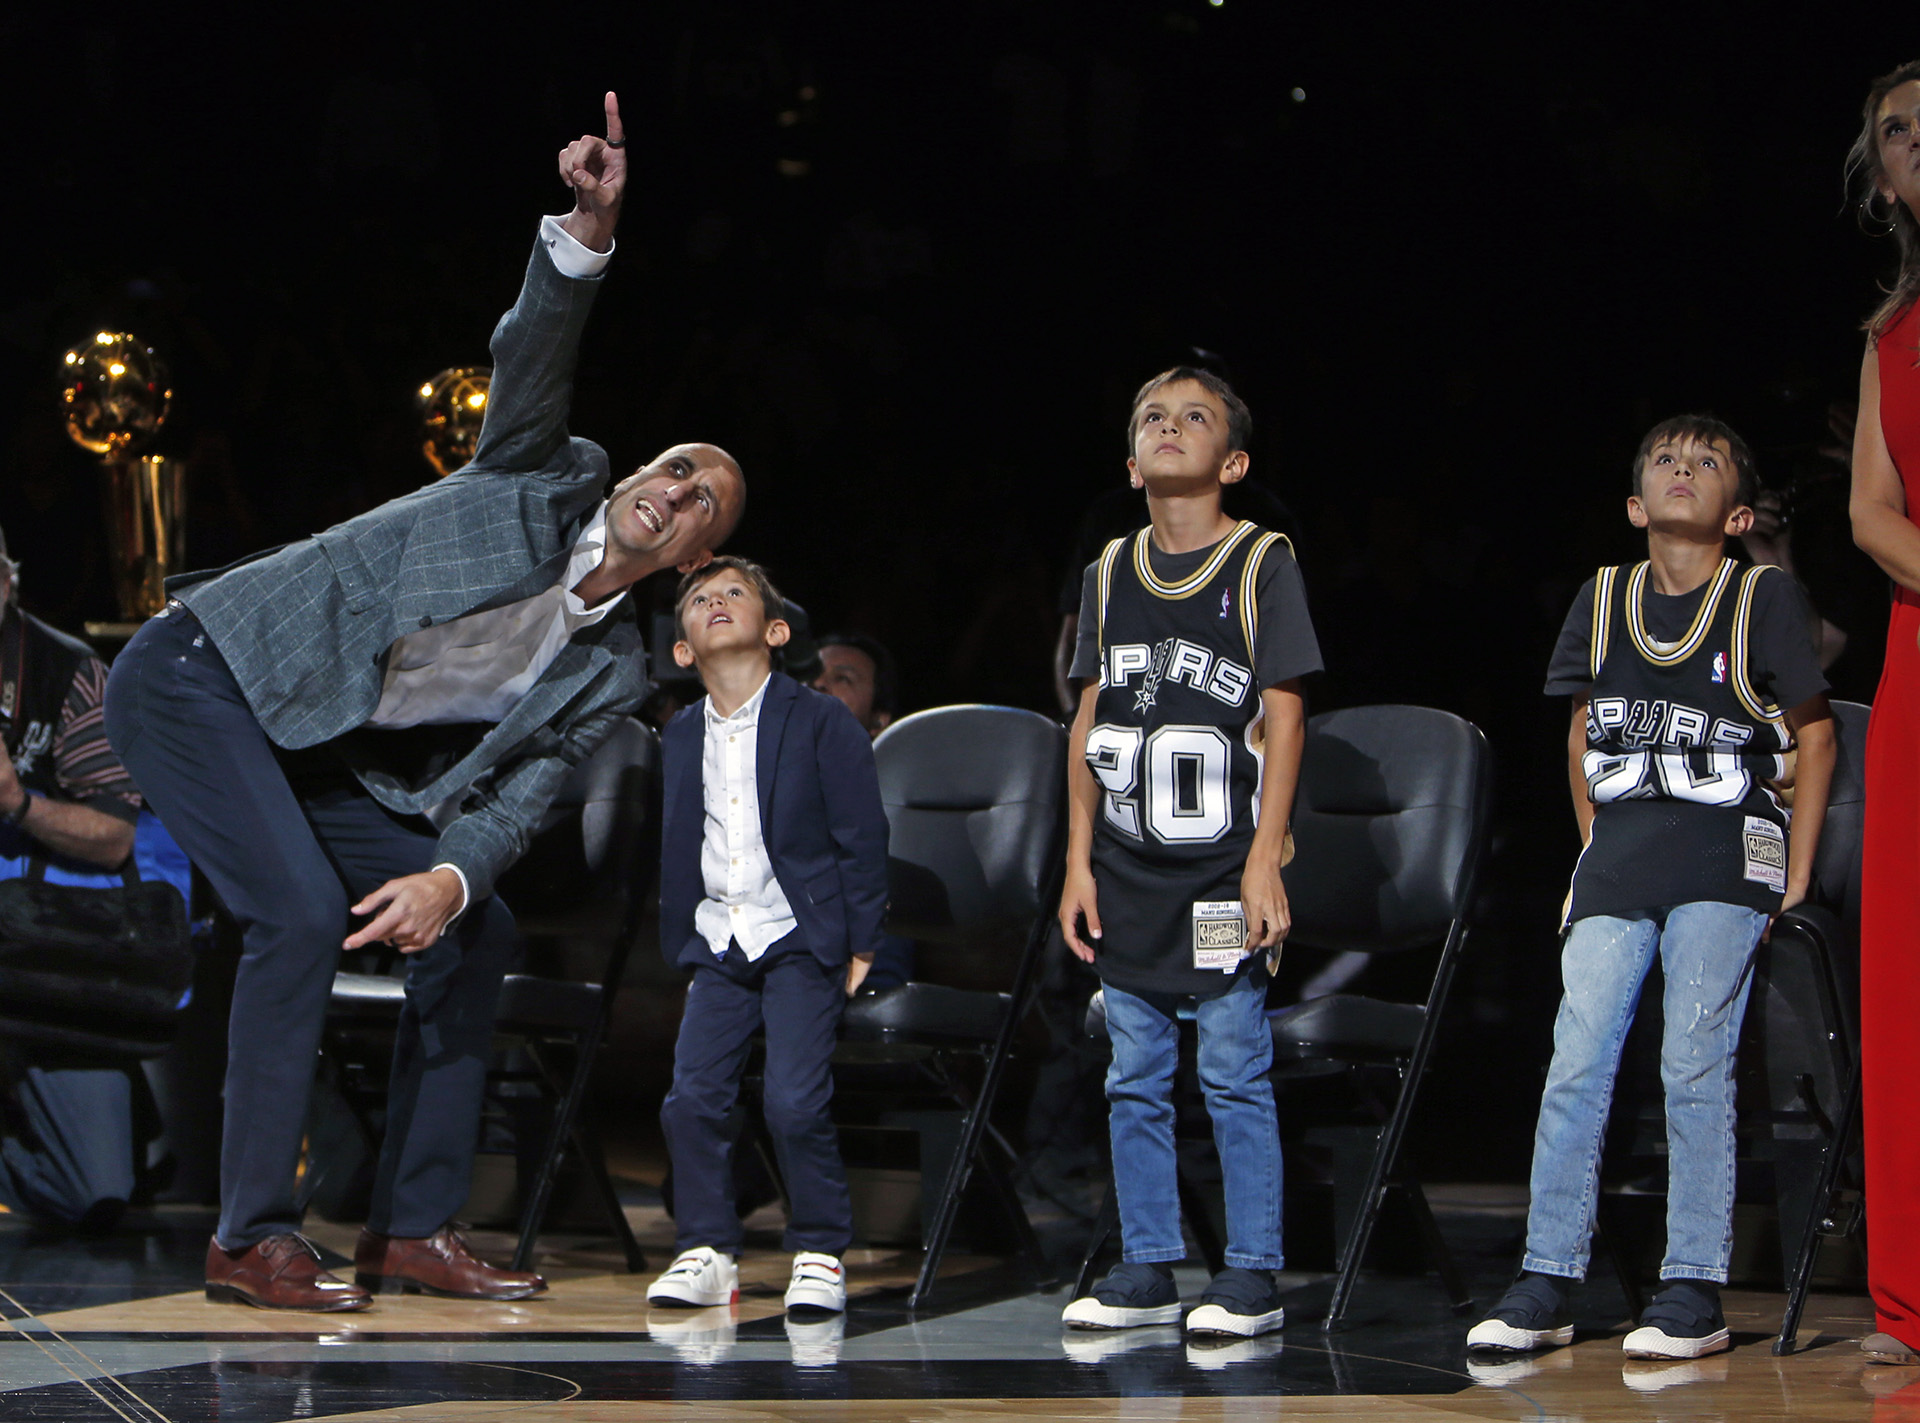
x=1534, y=1313
x=1683, y=1322
x=1130, y=1295
x=1238, y=1304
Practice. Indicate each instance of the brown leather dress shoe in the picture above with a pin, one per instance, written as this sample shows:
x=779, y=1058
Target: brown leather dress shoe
x=281, y=1272
x=440, y=1264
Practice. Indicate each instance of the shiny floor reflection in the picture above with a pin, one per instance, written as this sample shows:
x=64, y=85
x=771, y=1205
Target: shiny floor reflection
x=118, y=1328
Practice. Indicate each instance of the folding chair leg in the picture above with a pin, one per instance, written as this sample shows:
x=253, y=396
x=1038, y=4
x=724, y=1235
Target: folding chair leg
x=1801, y=1281
x=334, y=1057
x=1437, y=1251
x=1213, y=1249
x=1388, y=1149
x=1104, y=1225
x=1608, y=1240
x=566, y=1111
x=1008, y=1197
x=973, y=1133
x=595, y=1160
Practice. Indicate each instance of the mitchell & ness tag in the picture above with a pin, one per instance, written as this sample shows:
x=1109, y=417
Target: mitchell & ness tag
x=1219, y=934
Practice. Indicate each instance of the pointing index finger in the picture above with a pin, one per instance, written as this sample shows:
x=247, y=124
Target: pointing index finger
x=615, y=133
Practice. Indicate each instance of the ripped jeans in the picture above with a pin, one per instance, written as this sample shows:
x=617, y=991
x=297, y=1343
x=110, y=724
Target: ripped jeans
x=1706, y=951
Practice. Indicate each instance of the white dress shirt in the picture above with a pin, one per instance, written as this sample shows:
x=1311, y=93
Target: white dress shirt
x=475, y=668
x=744, y=901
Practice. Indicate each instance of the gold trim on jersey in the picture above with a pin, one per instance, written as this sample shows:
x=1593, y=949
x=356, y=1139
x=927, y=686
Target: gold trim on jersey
x=1194, y=581
x=1103, y=585
x=1250, y=591
x=1672, y=654
x=1600, y=634
x=1762, y=708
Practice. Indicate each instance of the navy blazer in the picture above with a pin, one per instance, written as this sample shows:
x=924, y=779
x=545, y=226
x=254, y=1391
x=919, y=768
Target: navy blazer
x=820, y=815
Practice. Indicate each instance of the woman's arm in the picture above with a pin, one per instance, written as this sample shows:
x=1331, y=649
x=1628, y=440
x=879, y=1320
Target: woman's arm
x=1879, y=501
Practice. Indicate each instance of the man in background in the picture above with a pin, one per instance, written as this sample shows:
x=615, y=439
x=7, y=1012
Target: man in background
x=67, y=807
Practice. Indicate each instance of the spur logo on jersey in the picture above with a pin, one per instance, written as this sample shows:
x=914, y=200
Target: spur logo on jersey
x=1174, y=659
x=35, y=744
x=1672, y=752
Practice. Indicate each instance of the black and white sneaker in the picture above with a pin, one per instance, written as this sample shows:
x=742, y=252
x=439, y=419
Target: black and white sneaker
x=1534, y=1313
x=1238, y=1304
x=1129, y=1296
x=1683, y=1322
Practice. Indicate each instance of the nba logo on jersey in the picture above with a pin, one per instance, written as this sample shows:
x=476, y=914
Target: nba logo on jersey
x=1719, y=666
x=1226, y=595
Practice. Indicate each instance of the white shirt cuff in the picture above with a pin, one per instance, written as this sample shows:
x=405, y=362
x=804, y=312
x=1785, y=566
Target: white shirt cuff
x=466, y=891
x=571, y=257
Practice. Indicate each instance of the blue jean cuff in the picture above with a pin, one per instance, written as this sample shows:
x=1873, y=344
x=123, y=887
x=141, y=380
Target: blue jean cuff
x=1533, y=1264
x=1701, y=1273
x=1254, y=1262
x=1152, y=1257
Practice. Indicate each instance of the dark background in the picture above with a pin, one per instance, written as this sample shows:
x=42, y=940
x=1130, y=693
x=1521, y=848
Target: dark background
x=909, y=263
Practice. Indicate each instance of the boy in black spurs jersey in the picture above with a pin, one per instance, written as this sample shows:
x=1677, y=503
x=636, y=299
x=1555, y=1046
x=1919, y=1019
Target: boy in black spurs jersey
x=1679, y=668
x=1196, y=630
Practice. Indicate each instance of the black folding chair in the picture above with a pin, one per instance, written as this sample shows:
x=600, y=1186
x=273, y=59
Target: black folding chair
x=1797, y=1069
x=1807, y=1032
x=975, y=801
x=1390, y=825
x=579, y=890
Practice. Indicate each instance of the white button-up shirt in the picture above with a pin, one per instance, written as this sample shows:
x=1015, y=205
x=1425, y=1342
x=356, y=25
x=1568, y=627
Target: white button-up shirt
x=475, y=668
x=744, y=901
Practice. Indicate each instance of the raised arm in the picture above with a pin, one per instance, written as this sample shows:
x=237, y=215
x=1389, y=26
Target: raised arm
x=1879, y=500
x=596, y=170
x=536, y=344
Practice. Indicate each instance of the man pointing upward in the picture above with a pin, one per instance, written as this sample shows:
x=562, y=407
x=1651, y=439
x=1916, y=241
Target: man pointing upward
x=293, y=716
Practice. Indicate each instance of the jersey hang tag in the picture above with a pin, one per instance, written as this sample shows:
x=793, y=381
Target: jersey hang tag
x=1766, y=847
x=1219, y=934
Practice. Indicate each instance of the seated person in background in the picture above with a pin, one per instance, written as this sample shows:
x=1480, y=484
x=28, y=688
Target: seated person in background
x=1690, y=680
x=859, y=671
x=1192, y=632
x=66, y=801
x=773, y=882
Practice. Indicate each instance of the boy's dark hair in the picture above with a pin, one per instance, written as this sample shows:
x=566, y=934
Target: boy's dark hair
x=1701, y=429
x=886, y=677
x=1239, y=418
x=1864, y=170
x=750, y=572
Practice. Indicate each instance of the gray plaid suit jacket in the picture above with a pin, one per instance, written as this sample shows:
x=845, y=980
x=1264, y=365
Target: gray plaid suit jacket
x=306, y=627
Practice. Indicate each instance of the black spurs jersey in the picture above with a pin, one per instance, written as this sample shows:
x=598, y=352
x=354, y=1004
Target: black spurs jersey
x=1681, y=750
x=1175, y=750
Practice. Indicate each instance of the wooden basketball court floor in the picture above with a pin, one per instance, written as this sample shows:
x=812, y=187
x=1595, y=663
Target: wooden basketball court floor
x=116, y=1328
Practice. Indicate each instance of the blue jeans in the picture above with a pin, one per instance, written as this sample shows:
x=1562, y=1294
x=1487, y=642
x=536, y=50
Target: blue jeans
x=1706, y=951
x=1236, y=1051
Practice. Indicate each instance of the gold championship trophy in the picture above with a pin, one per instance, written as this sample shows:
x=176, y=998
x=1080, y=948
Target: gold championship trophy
x=452, y=406
x=116, y=396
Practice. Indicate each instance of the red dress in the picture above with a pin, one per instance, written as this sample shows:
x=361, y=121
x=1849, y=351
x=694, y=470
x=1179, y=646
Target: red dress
x=1890, y=898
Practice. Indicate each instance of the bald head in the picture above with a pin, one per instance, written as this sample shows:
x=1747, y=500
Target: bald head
x=678, y=508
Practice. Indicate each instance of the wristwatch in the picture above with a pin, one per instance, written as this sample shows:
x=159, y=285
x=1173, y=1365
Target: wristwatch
x=18, y=818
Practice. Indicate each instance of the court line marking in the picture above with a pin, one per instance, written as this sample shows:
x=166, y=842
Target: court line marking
x=25, y=1315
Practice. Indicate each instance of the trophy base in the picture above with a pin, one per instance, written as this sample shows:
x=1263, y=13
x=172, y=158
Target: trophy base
x=114, y=635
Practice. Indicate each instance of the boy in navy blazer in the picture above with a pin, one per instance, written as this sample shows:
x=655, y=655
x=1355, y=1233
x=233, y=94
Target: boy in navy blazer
x=773, y=886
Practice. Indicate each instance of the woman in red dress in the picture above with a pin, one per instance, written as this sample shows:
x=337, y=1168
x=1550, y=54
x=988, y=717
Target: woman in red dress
x=1886, y=524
